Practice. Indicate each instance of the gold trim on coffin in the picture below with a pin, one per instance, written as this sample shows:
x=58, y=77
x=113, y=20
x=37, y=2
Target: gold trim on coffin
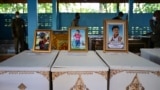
x=114, y=72
x=57, y=74
x=45, y=74
x=135, y=84
x=22, y=86
x=156, y=73
x=79, y=85
x=2, y=72
x=102, y=73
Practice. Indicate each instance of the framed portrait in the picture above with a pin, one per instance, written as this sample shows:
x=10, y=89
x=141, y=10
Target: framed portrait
x=60, y=41
x=115, y=35
x=77, y=39
x=42, y=41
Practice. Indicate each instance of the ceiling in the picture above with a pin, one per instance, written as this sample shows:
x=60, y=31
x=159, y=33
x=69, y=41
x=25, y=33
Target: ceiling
x=83, y=1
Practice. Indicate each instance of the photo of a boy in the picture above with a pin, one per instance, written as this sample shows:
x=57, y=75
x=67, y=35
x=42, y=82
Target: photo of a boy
x=116, y=40
x=77, y=39
x=77, y=36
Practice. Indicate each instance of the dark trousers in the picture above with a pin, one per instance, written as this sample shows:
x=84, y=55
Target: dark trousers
x=19, y=44
x=157, y=44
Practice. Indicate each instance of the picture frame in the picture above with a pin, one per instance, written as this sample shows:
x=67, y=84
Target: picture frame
x=42, y=40
x=60, y=41
x=62, y=44
x=78, y=39
x=115, y=36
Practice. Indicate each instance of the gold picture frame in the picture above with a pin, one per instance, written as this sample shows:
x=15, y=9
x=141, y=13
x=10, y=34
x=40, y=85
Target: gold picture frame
x=115, y=36
x=60, y=41
x=62, y=44
x=42, y=40
x=77, y=39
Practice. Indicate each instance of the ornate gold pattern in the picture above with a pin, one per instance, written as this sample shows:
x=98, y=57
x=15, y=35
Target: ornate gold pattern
x=103, y=73
x=114, y=72
x=20, y=72
x=79, y=72
x=79, y=85
x=57, y=74
x=156, y=73
x=45, y=74
x=138, y=71
x=135, y=84
x=2, y=72
x=22, y=86
x=16, y=72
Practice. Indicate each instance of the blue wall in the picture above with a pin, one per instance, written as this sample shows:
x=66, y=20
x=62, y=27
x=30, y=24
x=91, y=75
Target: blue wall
x=95, y=19
x=140, y=24
x=5, y=25
x=87, y=19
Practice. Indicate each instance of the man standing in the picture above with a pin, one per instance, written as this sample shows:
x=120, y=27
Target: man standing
x=75, y=22
x=155, y=27
x=18, y=32
x=119, y=17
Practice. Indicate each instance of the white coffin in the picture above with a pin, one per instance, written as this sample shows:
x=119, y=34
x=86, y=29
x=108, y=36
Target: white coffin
x=151, y=54
x=131, y=72
x=79, y=71
x=27, y=71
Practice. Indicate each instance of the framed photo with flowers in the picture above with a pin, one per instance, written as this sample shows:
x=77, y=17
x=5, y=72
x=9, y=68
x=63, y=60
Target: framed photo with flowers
x=77, y=39
x=115, y=36
x=42, y=41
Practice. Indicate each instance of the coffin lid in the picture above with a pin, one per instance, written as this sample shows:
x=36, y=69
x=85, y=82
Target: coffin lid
x=78, y=61
x=127, y=61
x=29, y=61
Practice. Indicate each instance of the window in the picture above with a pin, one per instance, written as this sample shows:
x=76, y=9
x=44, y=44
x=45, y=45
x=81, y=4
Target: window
x=145, y=7
x=12, y=8
x=124, y=7
x=22, y=8
x=87, y=7
x=45, y=8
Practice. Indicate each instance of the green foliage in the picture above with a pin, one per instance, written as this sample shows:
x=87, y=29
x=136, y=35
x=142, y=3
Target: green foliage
x=82, y=7
x=12, y=8
x=146, y=7
x=45, y=8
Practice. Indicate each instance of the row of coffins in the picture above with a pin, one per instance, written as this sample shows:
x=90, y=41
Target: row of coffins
x=90, y=70
x=151, y=54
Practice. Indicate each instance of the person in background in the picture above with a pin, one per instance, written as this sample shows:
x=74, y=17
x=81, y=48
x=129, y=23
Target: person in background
x=155, y=27
x=75, y=21
x=119, y=17
x=18, y=32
